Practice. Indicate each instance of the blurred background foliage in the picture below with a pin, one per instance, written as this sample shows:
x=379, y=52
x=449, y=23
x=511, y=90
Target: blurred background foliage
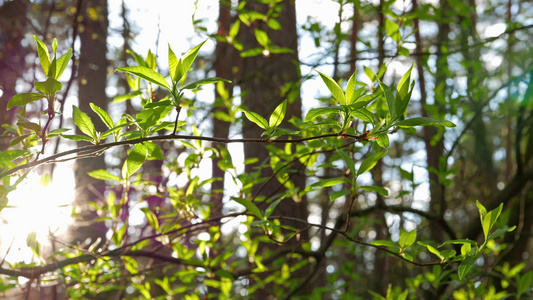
x=472, y=65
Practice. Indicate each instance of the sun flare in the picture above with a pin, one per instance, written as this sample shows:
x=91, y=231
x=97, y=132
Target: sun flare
x=36, y=207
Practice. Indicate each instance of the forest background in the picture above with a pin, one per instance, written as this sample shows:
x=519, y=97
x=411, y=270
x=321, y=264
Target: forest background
x=297, y=149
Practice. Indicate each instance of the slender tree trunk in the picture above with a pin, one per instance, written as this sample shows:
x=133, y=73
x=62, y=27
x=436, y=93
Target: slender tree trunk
x=435, y=147
x=354, y=37
x=224, y=58
x=264, y=79
x=91, y=89
x=381, y=263
x=12, y=59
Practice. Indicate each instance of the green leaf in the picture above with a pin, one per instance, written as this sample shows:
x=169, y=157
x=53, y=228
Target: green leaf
x=103, y=115
x=154, y=152
x=393, y=30
x=403, y=95
x=103, y=175
x=274, y=24
x=407, y=238
x=363, y=114
x=433, y=250
x=466, y=249
x=382, y=140
x=151, y=60
x=460, y=242
x=84, y=123
x=423, y=121
x=249, y=205
x=262, y=37
x=172, y=64
x=234, y=29
x=370, y=74
x=134, y=161
x=23, y=99
x=25, y=123
x=391, y=101
x=151, y=217
x=524, y=283
x=34, y=244
x=501, y=231
x=376, y=296
x=385, y=243
x=252, y=52
x=185, y=62
x=11, y=155
x=370, y=161
x=373, y=188
x=198, y=83
x=270, y=209
x=334, y=88
x=350, y=89
x=44, y=55
x=336, y=195
x=315, y=112
x=256, y=118
x=278, y=50
x=490, y=219
x=54, y=45
x=152, y=115
x=62, y=63
x=48, y=87
x=138, y=58
x=119, y=234
x=330, y=182
x=77, y=137
x=403, y=51
x=465, y=266
x=147, y=74
x=403, y=84
x=348, y=160
x=482, y=209
x=278, y=115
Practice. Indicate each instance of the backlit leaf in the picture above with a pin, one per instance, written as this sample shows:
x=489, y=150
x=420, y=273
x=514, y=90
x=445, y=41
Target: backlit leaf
x=103, y=175
x=134, y=161
x=334, y=88
x=278, y=115
x=407, y=238
x=44, y=55
x=23, y=99
x=257, y=119
x=147, y=74
x=249, y=205
x=106, y=118
x=185, y=62
x=370, y=161
x=423, y=121
x=198, y=83
x=84, y=122
x=262, y=37
x=330, y=182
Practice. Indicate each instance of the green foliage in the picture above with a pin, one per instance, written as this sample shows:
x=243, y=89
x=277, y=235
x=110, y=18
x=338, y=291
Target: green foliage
x=350, y=148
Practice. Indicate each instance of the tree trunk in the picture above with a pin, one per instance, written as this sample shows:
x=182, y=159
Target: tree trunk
x=12, y=58
x=224, y=56
x=263, y=80
x=91, y=89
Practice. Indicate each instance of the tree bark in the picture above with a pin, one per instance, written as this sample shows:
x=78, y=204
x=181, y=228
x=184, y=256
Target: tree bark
x=264, y=79
x=224, y=56
x=12, y=59
x=92, y=78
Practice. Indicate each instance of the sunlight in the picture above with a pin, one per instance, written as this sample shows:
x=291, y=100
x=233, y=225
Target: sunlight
x=34, y=207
